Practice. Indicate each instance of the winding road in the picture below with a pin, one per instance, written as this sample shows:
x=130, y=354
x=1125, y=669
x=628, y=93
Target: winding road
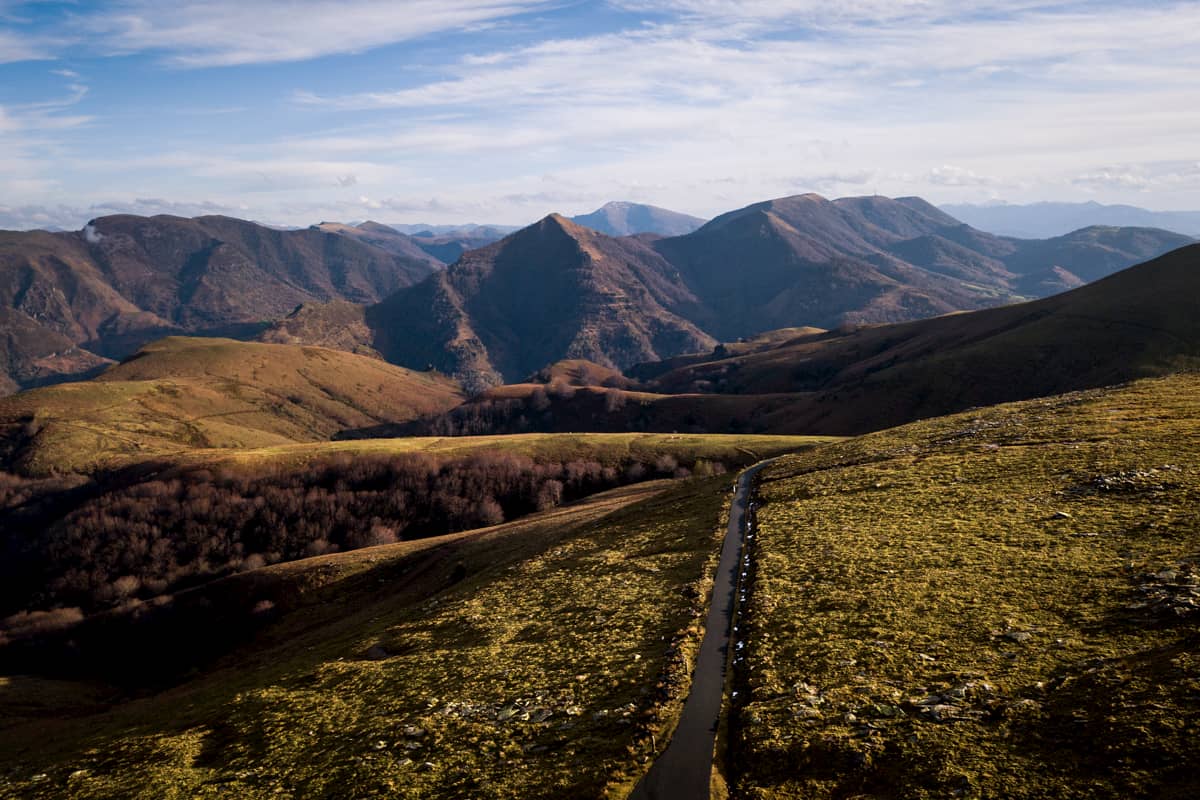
x=684, y=769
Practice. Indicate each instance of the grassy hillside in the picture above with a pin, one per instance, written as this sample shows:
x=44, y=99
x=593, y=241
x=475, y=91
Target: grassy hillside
x=539, y=659
x=1001, y=603
x=181, y=393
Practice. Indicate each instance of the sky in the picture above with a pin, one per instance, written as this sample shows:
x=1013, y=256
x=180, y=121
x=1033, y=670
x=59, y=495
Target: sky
x=292, y=112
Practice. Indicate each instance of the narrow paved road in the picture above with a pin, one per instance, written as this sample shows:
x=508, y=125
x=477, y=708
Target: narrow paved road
x=684, y=769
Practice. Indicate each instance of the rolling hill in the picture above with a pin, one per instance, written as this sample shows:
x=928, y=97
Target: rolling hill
x=412, y=669
x=997, y=601
x=182, y=393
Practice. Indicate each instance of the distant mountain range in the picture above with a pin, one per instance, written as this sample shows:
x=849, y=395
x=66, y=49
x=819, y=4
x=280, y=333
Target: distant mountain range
x=617, y=218
x=70, y=302
x=559, y=290
x=1043, y=220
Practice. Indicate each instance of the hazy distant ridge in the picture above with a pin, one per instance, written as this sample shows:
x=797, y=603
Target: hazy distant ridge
x=1043, y=220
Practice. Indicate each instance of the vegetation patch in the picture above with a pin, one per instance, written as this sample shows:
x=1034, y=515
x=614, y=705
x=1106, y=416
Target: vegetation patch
x=995, y=604
x=141, y=535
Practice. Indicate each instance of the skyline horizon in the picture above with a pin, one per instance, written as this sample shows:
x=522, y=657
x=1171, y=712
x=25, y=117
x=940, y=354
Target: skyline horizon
x=146, y=209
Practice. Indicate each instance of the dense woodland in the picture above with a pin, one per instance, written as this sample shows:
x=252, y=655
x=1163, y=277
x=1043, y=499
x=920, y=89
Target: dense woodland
x=125, y=545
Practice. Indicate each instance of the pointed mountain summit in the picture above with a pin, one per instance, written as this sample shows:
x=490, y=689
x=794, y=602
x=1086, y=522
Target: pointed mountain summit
x=620, y=218
x=550, y=291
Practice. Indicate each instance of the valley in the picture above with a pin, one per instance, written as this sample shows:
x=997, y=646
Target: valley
x=459, y=538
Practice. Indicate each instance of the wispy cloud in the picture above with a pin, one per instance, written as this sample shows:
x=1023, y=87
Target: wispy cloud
x=225, y=33
x=16, y=47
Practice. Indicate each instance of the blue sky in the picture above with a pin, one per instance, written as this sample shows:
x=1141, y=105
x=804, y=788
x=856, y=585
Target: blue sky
x=504, y=110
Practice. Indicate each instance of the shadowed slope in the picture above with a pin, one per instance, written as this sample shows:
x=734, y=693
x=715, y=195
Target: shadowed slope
x=1136, y=323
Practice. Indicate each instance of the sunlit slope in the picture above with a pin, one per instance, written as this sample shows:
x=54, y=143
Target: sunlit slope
x=1002, y=603
x=182, y=393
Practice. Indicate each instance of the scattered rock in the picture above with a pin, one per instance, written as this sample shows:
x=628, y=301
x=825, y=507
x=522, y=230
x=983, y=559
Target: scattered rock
x=1172, y=592
x=1061, y=515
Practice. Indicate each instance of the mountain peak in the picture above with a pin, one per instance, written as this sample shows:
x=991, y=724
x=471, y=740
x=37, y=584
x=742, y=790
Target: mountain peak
x=557, y=222
x=625, y=218
x=372, y=226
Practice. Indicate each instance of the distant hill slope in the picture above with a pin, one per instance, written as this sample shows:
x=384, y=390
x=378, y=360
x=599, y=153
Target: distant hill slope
x=181, y=393
x=126, y=280
x=32, y=354
x=1137, y=323
x=1045, y=220
x=623, y=219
